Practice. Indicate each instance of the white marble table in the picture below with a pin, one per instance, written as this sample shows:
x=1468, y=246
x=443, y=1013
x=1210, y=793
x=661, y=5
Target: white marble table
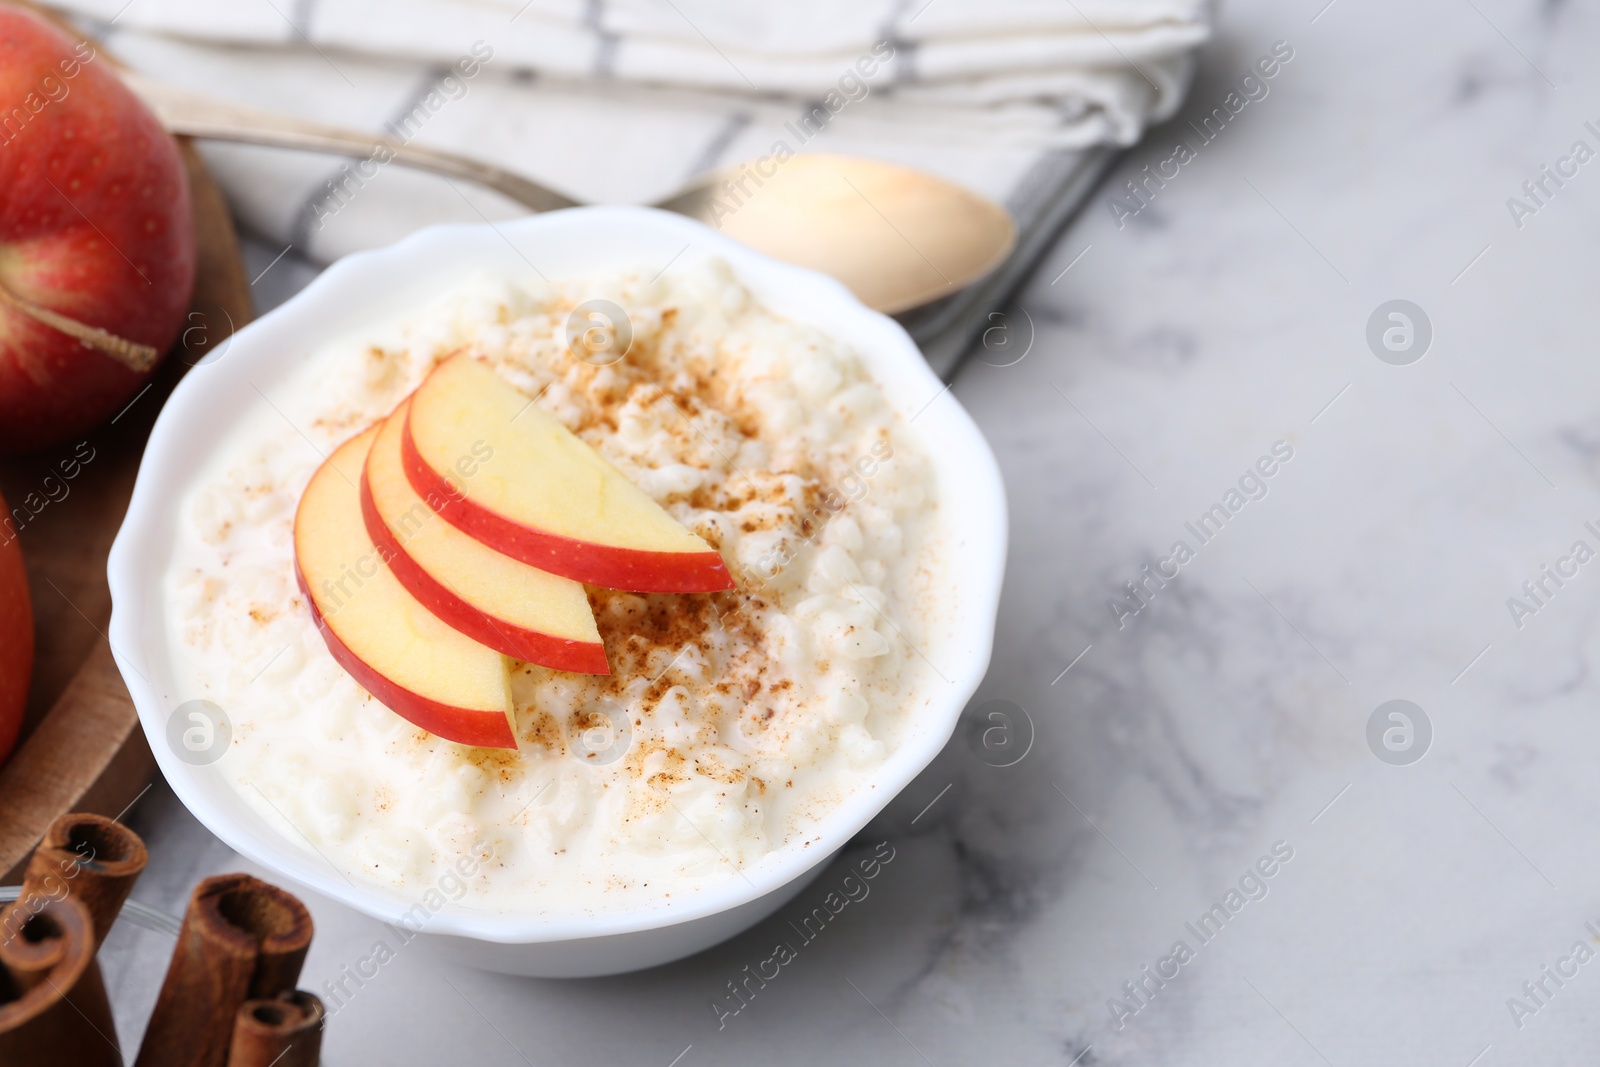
x=1229, y=714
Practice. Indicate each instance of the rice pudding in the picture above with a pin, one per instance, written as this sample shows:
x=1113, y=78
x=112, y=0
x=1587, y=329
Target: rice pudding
x=730, y=722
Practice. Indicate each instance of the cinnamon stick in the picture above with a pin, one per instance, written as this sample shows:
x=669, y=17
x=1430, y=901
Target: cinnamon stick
x=53, y=1007
x=242, y=939
x=286, y=1032
x=92, y=858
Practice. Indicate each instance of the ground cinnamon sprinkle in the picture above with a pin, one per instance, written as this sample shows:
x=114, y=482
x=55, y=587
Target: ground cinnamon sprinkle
x=545, y=731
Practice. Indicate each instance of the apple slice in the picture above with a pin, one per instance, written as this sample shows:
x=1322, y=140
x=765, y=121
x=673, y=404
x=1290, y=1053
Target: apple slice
x=516, y=479
x=494, y=599
x=413, y=662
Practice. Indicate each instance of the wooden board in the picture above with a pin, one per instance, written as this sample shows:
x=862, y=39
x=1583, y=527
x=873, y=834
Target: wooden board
x=82, y=748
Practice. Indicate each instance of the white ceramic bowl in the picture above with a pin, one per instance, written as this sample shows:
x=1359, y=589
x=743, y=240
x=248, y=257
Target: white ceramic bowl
x=380, y=286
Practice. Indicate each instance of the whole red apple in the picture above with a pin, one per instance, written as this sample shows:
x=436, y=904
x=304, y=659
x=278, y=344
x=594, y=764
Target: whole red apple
x=16, y=635
x=94, y=226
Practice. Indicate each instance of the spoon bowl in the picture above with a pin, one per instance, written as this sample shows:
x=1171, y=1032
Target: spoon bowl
x=896, y=237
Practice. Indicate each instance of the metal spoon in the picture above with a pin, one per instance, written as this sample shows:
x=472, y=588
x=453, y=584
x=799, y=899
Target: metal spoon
x=899, y=238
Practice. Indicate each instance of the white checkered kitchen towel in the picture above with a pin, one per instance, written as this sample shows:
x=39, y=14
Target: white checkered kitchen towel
x=626, y=100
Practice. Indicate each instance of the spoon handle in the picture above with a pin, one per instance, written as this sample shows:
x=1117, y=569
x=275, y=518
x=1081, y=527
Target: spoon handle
x=197, y=115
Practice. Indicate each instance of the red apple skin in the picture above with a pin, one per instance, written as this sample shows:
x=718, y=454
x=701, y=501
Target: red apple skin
x=630, y=569
x=94, y=224
x=16, y=636
x=557, y=653
x=461, y=725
